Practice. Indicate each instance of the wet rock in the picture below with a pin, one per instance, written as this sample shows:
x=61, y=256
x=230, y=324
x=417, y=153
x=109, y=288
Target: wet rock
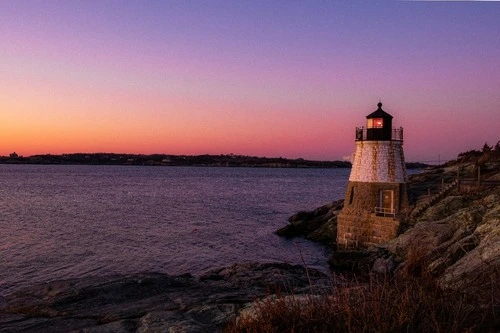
x=319, y=224
x=327, y=232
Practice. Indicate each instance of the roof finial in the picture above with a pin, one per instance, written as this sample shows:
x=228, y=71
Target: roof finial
x=379, y=104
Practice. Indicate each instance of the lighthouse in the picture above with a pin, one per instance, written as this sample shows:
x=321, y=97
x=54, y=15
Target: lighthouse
x=376, y=194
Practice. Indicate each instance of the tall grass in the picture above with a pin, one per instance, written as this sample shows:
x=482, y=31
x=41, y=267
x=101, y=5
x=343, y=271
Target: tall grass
x=412, y=301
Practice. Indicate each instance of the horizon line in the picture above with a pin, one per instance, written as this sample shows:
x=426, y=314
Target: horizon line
x=440, y=161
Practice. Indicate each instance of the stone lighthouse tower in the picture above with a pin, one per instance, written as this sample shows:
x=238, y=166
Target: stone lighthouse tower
x=377, y=190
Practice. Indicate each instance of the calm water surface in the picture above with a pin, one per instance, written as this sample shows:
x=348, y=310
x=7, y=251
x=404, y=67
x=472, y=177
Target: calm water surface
x=60, y=222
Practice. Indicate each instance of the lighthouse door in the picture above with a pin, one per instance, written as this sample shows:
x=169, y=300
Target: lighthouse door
x=387, y=201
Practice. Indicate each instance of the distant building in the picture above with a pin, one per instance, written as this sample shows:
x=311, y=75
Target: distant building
x=377, y=190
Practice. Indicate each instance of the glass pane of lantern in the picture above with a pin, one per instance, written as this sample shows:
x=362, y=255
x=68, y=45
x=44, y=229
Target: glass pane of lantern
x=378, y=123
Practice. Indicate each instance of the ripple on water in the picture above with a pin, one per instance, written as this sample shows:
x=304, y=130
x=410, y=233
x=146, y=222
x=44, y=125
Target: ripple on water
x=75, y=221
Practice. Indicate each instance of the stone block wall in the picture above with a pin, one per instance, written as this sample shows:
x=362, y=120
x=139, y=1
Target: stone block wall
x=379, y=161
x=358, y=226
x=364, y=230
x=364, y=197
x=377, y=166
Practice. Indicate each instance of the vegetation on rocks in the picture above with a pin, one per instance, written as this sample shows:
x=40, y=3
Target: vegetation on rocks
x=412, y=301
x=443, y=268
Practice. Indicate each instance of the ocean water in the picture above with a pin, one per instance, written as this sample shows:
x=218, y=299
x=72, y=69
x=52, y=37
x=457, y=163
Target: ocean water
x=59, y=222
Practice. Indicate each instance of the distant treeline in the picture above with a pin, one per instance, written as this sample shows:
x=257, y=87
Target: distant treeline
x=178, y=160
x=172, y=160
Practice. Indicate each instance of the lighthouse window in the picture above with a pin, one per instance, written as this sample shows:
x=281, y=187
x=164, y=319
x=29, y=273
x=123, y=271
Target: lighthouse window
x=375, y=123
x=351, y=196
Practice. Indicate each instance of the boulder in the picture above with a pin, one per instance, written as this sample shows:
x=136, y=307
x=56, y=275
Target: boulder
x=327, y=232
x=358, y=261
x=384, y=266
x=424, y=237
x=481, y=260
x=319, y=225
x=444, y=208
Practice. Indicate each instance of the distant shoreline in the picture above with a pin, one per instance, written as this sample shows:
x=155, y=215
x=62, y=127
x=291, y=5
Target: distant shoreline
x=178, y=160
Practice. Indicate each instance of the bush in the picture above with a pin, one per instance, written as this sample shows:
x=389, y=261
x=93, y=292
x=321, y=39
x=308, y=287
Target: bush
x=410, y=302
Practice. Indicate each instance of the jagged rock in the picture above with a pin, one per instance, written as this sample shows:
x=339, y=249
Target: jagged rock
x=255, y=309
x=492, y=199
x=152, y=302
x=384, y=266
x=462, y=249
x=424, y=237
x=443, y=209
x=481, y=262
x=452, y=253
x=122, y=326
x=205, y=318
x=349, y=260
x=490, y=226
x=327, y=232
x=356, y=261
x=319, y=224
x=279, y=276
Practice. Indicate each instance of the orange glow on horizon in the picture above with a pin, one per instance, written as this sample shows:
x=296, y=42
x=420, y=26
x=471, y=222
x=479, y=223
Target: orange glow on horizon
x=191, y=79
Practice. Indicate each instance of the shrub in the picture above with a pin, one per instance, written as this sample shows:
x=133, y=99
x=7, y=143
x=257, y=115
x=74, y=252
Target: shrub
x=412, y=301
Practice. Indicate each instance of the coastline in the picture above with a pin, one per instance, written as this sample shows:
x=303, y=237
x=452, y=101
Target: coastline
x=450, y=236
x=154, y=302
x=206, y=160
x=230, y=160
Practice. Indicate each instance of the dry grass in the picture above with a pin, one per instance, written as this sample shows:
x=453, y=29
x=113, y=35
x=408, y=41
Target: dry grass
x=410, y=302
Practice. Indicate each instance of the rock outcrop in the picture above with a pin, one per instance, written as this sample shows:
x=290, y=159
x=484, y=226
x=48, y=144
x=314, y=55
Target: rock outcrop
x=458, y=236
x=319, y=225
x=152, y=302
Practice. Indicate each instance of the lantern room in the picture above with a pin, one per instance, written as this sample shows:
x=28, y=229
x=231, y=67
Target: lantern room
x=379, y=125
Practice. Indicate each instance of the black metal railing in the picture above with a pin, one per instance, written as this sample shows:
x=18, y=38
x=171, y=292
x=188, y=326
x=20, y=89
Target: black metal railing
x=362, y=134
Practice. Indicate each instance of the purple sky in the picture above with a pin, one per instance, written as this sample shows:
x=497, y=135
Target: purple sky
x=265, y=78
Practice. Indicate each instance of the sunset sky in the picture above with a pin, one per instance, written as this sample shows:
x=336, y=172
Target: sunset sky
x=263, y=78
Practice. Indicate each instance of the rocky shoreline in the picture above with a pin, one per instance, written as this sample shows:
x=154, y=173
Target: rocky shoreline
x=457, y=237
x=153, y=302
x=456, y=230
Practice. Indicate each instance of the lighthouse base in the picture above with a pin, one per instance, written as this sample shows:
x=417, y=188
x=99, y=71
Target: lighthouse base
x=372, y=213
x=365, y=230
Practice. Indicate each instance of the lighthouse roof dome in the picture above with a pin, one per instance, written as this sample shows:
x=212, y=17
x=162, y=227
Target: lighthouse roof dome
x=379, y=113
